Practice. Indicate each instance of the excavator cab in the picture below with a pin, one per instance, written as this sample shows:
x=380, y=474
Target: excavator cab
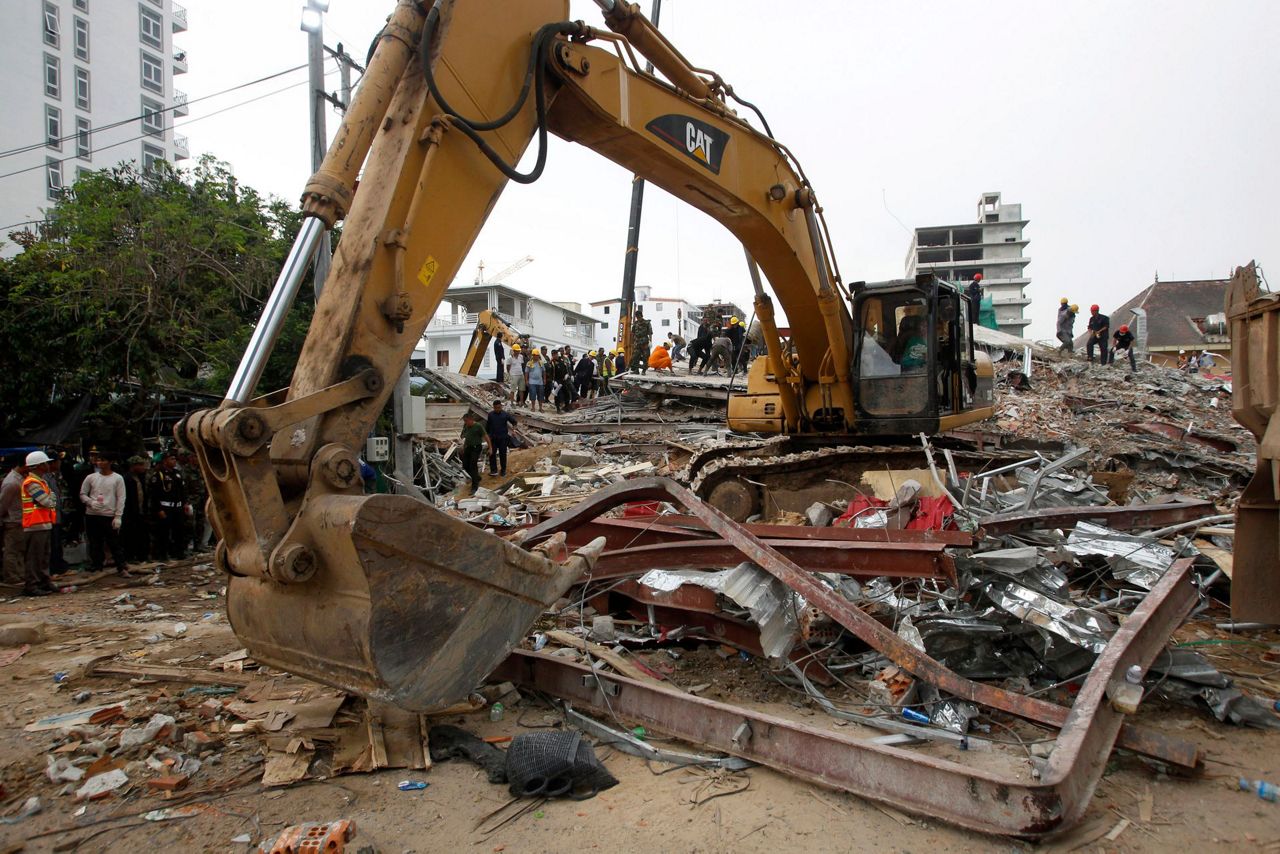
x=914, y=359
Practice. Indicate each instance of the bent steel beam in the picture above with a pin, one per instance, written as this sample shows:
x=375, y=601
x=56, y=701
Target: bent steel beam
x=859, y=624
x=966, y=796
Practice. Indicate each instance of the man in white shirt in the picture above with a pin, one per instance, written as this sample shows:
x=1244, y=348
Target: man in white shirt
x=102, y=494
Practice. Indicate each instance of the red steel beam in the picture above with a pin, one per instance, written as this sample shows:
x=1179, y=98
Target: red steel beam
x=860, y=625
x=1127, y=518
x=967, y=796
x=862, y=560
x=808, y=532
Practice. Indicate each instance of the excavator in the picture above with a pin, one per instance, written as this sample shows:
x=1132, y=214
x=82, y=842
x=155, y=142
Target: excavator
x=383, y=595
x=489, y=325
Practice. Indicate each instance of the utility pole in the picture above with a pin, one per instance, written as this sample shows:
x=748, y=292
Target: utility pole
x=627, y=308
x=313, y=25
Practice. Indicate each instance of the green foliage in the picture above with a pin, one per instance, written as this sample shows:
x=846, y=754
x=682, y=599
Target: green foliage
x=142, y=281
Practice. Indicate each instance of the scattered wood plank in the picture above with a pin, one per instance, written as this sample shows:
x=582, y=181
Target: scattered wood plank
x=617, y=662
x=161, y=673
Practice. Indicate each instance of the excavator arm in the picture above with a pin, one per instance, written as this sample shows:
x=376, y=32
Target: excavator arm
x=384, y=595
x=489, y=325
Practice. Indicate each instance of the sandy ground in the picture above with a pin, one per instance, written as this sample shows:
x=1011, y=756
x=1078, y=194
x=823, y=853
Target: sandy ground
x=648, y=811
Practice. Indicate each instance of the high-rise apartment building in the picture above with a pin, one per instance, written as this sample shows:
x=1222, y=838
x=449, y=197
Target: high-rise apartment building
x=88, y=83
x=992, y=246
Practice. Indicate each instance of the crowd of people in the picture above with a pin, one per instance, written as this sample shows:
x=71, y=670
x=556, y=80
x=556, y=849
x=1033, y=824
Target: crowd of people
x=50, y=502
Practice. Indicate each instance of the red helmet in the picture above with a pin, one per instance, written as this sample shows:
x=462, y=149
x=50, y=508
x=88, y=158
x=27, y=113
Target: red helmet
x=1094, y=308
x=1124, y=328
x=977, y=277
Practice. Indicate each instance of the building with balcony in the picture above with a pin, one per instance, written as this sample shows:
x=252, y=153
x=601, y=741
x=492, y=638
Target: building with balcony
x=993, y=246
x=448, y=335
x=88, y=84
x=666, y=314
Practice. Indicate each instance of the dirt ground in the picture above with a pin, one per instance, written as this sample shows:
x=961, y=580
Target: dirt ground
x=648, y=810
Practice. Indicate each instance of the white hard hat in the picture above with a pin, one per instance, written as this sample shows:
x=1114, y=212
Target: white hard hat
x=38, y=458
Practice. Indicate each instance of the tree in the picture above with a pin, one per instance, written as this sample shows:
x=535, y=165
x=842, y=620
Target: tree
x=141, y=281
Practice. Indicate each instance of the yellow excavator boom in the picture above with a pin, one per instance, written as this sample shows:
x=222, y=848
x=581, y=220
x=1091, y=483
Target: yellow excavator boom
x=489, y=325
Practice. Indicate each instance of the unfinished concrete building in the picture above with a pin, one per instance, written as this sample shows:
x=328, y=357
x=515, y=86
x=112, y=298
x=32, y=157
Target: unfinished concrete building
x=993, y=246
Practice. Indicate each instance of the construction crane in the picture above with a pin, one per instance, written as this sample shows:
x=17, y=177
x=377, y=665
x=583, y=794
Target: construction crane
x=497, y=277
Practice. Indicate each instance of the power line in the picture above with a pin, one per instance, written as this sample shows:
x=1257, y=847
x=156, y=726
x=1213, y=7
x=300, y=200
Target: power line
x=75, y=136
x=175, y=127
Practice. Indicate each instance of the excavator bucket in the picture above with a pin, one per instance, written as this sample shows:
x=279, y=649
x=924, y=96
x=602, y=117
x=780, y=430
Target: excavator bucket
x=411, y=606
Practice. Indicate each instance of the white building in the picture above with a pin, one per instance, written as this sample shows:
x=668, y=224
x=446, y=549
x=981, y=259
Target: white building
x=992, y=246
x=448, y=335
x=88, y=83
x=666, y=314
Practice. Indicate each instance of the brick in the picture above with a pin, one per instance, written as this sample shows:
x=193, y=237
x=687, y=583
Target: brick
x=16, y=634
x=168, y=783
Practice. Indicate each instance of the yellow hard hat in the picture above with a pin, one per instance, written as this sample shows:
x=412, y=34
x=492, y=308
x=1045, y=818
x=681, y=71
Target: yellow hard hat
x=733, y=321
x=1063, y=300
x=1074, y=307
x=591, y=353
x=515, y=348
x=622, y=352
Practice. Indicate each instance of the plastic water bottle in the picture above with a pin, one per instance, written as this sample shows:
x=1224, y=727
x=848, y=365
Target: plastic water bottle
x=1263, y=789
x=495, y=712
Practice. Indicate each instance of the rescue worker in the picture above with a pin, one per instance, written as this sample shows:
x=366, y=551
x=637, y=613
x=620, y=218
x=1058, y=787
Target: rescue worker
x=169, y=509
x=1099, y=333
x=498, y=425
x=103, y=496
x=536, y=374
x=619, y=362
x=475, y=439
x=1066, y=327
x=57, y=488
x=718, y=356
x=678, y=343
x=133, y=525
x=562, y=382
x=736, y=334
x=1123, y=340
x=1206, y=361
x=660, y=358
x=699, y=347
x=39, y=515
x=974, y=293
x=607, y=368
x=499, y=359
x=15, y=542
x=515, y=372
x=1184, y=364
x=641, y=338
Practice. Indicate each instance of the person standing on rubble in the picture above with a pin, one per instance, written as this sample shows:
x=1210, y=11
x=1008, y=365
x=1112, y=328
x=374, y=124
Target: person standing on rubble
x=474, y=440
x=536, y=375
x=736, y=334
x=103, y=496
x=197, y=495
x=514, y=371
x=169, y=509
x=499, y=358
x=1205, y=362
x=641, y=338
x=498, y=425
x=133, y=526
x=1066, y=327
x=619, y=362
x=39, y=515
x=15, y=545
x=1099, y=333
x=583, y=374
x=1123, y=340
x=606, y=365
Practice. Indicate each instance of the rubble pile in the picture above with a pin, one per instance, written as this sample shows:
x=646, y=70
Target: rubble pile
x=1159, y=430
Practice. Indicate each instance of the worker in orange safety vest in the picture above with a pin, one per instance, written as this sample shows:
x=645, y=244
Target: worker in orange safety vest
x=39, y=515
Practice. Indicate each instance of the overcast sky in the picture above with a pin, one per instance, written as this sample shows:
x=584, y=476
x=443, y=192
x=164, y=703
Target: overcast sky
x=1138, y=136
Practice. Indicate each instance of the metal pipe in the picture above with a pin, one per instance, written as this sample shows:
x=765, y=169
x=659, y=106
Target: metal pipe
x=1195, y=523
x=283, y=293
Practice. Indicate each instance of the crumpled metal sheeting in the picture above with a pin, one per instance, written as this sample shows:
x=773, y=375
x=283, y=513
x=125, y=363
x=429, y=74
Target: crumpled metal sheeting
x=1136, y=560
x=975, y=646
x=1080, y=626
x=1229, y=705
x=772, y=605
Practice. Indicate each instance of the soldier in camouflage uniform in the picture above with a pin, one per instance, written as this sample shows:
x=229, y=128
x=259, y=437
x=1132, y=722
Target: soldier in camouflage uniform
x=197, y=494
x=641, y=338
